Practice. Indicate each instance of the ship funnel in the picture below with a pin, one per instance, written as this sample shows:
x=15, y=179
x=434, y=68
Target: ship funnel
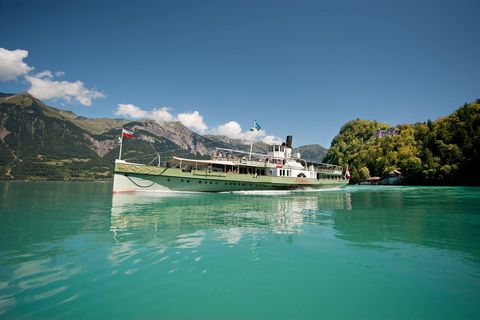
x=289, y=142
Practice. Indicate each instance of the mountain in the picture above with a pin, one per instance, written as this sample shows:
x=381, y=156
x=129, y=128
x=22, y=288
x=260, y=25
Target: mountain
x=41, y=142
x=312, y=152
x=38, y=141
x=441, y=152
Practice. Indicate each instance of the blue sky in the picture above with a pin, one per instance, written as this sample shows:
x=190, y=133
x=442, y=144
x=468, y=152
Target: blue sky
x=298, y=67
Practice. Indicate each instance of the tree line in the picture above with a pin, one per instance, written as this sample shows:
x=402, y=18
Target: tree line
x=441, y=152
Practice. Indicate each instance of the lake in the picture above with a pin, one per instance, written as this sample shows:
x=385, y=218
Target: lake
x=72, y=250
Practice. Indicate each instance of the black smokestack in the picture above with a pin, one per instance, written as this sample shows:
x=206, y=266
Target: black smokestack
x=289, y=141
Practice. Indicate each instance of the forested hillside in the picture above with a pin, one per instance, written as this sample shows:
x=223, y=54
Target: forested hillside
x=441, y=152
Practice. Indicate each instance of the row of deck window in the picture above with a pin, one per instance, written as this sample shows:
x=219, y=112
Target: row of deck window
x=238, y=169
x=276, y=148
x=216, y=182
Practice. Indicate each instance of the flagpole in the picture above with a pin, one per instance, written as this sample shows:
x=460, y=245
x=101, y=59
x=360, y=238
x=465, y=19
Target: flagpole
x=253, y=137
x=121, y=144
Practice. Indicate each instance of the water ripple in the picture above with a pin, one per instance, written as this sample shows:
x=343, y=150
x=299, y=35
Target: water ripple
x=46, y=275
x=48, y=294
x=6, y=303
x=191, y=240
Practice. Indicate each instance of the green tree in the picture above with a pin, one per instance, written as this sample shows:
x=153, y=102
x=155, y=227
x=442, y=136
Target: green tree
x=445, y=151
x=363, y=173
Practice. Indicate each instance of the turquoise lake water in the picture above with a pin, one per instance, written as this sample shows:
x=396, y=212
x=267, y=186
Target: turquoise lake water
x=72, y=250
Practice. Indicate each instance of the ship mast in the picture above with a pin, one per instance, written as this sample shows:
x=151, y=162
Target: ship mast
x=251, y=147
x=255, y=127
x=121, y=144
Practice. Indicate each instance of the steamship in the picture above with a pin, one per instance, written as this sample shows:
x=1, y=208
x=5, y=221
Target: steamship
x=230, y=170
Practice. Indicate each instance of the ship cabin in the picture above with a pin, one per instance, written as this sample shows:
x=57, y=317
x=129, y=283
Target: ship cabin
x=278, y=162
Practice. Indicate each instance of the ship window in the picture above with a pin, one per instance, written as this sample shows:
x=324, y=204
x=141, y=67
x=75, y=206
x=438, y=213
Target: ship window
x=199, y=181
x=168, y=179
x=181, y=180
x=188, y=180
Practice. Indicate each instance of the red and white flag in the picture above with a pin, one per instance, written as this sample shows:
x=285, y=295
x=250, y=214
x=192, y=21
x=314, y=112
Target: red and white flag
x=126, y=133
x=347, y=173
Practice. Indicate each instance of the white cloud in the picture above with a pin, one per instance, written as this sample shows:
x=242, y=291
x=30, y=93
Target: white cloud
x=247, y=135
x=130, y=110
x=42, y=84
x=49, y=74
x=44, y=87
x=162, y=115
x=44, y=74
x=272, y=140
x=231, y=129
x=193, y=121
x=12, y=65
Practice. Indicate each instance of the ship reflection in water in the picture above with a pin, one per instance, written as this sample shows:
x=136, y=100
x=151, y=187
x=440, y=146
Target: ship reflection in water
x=275, y=212
x=187, y=220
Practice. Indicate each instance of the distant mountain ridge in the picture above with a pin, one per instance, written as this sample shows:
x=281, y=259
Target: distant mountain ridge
x=42, y=142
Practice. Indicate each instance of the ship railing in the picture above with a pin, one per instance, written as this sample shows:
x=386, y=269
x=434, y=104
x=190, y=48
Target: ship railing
x=241, y=161
x=328, y=169
x=334, y=172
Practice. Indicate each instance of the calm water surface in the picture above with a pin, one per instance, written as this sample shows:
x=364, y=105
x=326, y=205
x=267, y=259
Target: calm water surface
x=71, y=250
